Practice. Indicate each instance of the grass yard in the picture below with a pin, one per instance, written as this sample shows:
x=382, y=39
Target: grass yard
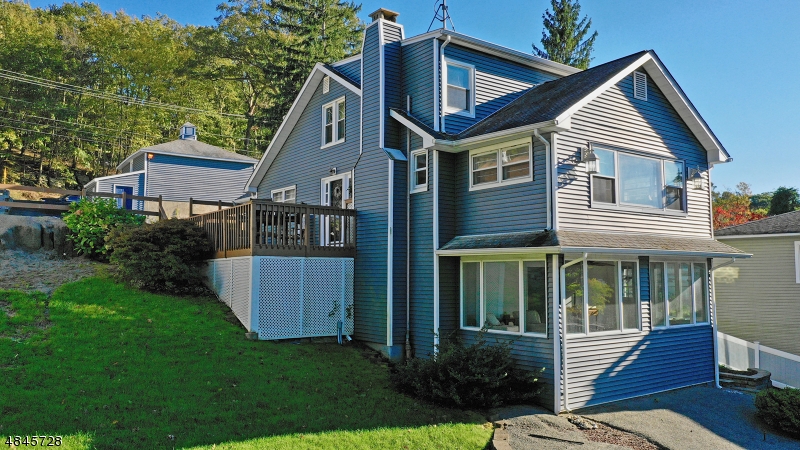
x=112, y=367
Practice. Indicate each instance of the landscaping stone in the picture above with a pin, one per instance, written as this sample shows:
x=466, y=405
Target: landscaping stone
x=33, y=233
x=758, y=381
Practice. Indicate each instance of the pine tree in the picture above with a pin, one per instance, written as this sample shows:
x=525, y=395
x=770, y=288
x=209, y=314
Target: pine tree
x=562, y=40
x=784, y=200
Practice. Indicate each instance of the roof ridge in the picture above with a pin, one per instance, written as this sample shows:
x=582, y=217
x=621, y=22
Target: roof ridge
x=753, y=222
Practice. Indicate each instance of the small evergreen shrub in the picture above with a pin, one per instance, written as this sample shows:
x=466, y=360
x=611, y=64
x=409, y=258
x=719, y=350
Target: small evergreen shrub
x=476, y=375
x=164, y=256
x=780, y=408
x=91, y=220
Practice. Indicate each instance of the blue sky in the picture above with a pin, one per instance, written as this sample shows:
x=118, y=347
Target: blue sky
x=737, y=61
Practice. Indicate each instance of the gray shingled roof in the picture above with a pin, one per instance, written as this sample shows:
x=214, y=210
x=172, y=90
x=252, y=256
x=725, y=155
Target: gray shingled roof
x=581, y=240
x=540, y=103
x=782, y=223
x=191, y=147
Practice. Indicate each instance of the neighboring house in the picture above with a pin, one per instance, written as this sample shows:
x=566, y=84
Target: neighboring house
x=759, y=298
x=179, y=170
x=479, y=203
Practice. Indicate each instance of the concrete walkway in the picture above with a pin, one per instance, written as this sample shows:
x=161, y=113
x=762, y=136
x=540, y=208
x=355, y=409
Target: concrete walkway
x=700, y=417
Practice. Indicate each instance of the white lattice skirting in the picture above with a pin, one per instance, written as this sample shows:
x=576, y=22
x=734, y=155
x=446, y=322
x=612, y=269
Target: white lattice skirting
x=286, y=297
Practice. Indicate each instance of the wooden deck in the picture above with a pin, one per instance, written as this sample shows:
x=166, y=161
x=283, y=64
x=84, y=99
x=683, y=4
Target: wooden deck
x=266, y=228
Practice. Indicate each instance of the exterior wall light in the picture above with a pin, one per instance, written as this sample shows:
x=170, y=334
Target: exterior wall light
x=696, y=178
x=150, y=156
x=591, y=160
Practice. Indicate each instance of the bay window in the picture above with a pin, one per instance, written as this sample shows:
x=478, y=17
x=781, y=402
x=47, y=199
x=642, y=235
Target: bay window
x=602, y=296
x=678, y=293
x=504, y=296
x=627, y=179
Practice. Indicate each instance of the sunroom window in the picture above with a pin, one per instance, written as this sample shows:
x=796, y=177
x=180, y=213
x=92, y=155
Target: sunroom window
x=678, y=293
x=602, y=296
x=626, y=179
x=504, y=296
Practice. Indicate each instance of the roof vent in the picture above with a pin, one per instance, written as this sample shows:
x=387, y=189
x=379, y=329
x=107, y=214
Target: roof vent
x=383, y=13
x=640, y=86
x=188, y=131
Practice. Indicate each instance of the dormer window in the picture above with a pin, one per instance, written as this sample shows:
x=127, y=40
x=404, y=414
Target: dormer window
x=333, y=122
x=460, y=94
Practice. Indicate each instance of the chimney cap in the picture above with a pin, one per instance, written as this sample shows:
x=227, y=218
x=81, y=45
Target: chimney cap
x=383, y=13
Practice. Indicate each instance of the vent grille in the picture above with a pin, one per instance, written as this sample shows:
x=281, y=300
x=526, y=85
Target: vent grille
x=326, y=84
x=640, y=85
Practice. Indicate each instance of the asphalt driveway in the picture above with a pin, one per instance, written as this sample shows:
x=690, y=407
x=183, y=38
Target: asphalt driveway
x=699, y=417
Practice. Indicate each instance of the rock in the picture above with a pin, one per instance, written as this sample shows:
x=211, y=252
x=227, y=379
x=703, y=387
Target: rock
x=582, y=423
x=33, y=233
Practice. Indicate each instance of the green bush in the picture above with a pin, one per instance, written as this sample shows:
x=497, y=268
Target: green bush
x=476, y=375
x=780, y=408
x=164, y=256
x=91, y=220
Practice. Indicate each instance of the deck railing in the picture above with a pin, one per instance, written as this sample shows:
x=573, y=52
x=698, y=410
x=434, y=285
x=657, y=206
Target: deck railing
x=265, y=228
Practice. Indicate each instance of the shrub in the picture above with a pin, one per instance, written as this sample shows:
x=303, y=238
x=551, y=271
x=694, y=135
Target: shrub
x=91, y=220
x=475, y=375
x=780, y=408
x=165, y=256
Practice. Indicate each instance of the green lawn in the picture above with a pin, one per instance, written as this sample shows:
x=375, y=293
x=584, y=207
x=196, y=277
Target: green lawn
x=113, y=367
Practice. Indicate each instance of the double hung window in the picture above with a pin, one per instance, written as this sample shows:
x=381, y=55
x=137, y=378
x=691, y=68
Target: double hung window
x=602, y=296
x=678, y=293
x=419, y=170
x=503, y=164
x=504, y=296
x=460, y=92
x=333, y=122
x=626, y=179
x=285, y=195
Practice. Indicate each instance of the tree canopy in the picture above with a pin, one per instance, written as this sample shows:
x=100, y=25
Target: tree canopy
x=784, y=199
x=81, y=89
x=563, y=36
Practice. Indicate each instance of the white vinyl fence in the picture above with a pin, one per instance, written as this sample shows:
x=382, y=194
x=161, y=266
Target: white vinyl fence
x=740, y=354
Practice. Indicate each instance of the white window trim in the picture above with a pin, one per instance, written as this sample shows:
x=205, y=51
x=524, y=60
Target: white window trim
x=470, y=100
x=496, y=149
x=633, y=207
x=413, y=171
x=691, y=263
x=620, y=317
x=482, y=312
x=283, y=193
x=336, y=138
x=797, y=261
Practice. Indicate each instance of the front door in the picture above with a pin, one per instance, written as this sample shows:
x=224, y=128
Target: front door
x=335, y=192
x=128, y=191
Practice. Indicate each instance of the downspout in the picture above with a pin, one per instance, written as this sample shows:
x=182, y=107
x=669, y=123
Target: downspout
x=714, y=322
x=408, y=246
x=442, y=74
x=548, y=174
x=563, y=288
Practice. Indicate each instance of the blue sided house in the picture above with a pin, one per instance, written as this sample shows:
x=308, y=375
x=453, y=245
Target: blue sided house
x=441, y=184
x=177, y=171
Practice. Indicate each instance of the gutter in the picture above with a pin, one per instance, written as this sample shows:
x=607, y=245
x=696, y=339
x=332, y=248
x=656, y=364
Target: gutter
x=714, y=323
x=563, y=289
x=548, y=180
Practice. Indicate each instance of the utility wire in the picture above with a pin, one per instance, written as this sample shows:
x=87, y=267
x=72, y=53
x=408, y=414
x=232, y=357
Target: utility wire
x=43, y=82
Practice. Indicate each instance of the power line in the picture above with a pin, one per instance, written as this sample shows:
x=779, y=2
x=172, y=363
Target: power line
x=62, y=135
x=254, y=139
x=62, y=128
x=43, y=82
